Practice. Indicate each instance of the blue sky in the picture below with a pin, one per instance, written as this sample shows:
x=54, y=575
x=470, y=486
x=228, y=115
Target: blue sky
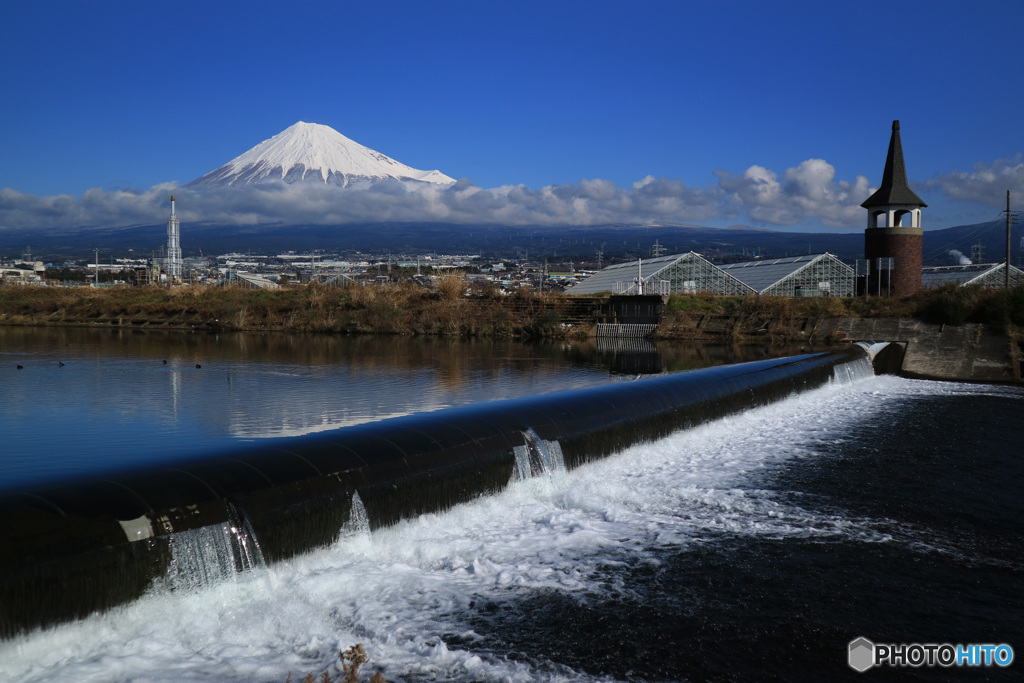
x=739, y=111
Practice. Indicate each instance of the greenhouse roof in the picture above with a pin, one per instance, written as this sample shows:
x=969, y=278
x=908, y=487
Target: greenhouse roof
x=760, y=275
x=733, y=278
x=936, y=276
x=604, y=280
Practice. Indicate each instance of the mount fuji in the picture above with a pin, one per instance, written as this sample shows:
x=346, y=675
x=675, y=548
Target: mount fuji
x=313, y=153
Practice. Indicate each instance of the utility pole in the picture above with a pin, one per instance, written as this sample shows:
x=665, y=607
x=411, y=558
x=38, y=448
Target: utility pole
x=1011, y=217
x=96, y=274
x=1007, y=283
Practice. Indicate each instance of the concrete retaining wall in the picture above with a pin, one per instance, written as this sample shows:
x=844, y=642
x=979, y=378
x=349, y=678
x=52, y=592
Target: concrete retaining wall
x=963, y=353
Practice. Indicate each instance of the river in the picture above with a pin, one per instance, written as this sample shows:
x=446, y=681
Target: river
x=755, y=547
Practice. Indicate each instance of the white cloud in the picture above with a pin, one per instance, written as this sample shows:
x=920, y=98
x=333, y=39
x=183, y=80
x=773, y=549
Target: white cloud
x=95, y=208
x=807, y=192
x=987, y=183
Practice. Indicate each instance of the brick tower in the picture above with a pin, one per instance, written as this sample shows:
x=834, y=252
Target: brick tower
x=894, y=226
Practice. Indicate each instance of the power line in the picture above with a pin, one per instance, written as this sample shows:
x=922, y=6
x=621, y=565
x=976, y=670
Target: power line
x=986, y=227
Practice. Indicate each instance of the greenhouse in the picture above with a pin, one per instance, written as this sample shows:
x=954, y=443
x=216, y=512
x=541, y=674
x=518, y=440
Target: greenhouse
x=678, y=274
x=811, y=275
x=984, y=274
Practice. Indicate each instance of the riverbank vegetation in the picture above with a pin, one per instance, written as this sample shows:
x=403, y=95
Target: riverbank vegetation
x=403, y=308
x=789, y=318
x=450, y=309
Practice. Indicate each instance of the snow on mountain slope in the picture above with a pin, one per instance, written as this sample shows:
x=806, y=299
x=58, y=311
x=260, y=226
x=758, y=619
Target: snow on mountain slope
x=311, y=152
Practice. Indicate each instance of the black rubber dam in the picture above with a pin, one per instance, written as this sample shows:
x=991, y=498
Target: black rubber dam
x=70, y=549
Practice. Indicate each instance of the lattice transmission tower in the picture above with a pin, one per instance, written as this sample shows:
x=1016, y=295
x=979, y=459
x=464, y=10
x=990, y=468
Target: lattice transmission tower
x=173, y=248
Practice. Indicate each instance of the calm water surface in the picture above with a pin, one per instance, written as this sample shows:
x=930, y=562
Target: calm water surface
x=88, y=401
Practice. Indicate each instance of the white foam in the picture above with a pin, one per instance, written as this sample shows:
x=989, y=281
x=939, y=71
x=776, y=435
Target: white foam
x=400, y=591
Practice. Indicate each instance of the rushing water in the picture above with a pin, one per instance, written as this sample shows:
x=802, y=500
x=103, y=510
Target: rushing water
x=751, y=548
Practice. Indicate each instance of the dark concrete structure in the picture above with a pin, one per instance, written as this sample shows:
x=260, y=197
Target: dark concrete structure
x=894, y=228
x=952, y=353
x=634, y=310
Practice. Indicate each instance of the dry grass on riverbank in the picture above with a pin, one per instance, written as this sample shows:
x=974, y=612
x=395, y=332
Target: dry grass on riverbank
x=407, y=308
x=403, y=308
x=786, y=317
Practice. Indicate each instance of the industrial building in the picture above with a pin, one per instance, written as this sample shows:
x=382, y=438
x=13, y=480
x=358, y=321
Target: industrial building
x=811, y=275
x=24, y=274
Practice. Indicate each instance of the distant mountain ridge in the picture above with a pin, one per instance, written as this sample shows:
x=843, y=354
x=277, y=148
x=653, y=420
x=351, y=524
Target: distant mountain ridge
x=312, y=153
x=501, y=241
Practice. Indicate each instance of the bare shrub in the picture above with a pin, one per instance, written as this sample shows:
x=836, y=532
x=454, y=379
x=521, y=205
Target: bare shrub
x=451, y=287
x=352, y=660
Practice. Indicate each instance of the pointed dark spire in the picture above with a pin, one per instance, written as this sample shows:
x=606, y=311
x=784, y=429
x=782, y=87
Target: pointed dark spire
x=894, y=189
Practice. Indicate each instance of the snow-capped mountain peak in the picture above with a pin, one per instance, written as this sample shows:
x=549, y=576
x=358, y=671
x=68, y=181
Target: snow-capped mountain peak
x=312, y=152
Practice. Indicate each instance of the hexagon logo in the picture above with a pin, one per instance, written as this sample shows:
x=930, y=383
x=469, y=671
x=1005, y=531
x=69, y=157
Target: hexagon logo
x=861, y=654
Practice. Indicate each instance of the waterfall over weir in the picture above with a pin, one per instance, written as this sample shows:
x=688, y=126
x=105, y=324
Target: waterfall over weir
x=208, y=555
x=71, y=549
x=537, y=457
